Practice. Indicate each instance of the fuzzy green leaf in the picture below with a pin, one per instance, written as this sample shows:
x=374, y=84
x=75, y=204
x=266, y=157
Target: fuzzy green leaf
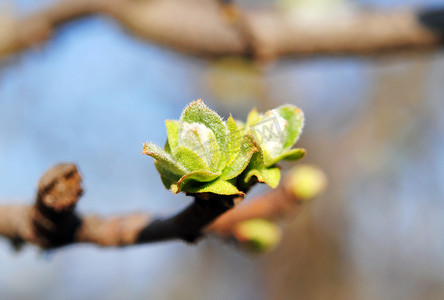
x=167, y=148
x=242, y=158
x=257, y=160
x=219, y=186
x=233, y=139
x=270, y=176
x=196, y=176
x=253, y=117
x=292, y=154
x=189, y=159
x=295, y=118
x=164, y=159
x=201, y=140
x=198, y=112
x=276, y=131
x=172, y=128
x=168, y=178
x=269, y=130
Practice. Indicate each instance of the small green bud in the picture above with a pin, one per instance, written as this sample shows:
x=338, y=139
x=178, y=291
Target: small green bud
x=307, y=181
x=258, y=235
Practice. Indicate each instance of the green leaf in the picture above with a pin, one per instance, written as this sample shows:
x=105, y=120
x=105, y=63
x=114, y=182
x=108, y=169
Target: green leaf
x=270, y=176
x=167, y=148
x=233, y=140
x=172, y=128
x=257, y=160
x=189, y=159
x=168, y=178
x=277, y=131
x=295, y=118
x=256, y=168
x=253, y=117
x=242, y=158
x=164, y=159
x=219, y=186
x=198, y=112
x=200, y=139
x=240, y=125
x=270, y=132
x=196, y=176
x=293, y=154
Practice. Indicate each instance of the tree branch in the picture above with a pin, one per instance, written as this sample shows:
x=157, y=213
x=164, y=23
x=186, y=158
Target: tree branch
x=52, y=221
x=273, y=205
x=199, y=28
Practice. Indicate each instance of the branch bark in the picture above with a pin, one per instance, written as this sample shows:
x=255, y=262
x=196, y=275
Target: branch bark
x=199, y=28
x=53, y=222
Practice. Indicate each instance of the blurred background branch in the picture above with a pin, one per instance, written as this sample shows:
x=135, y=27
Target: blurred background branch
x=202, y=28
